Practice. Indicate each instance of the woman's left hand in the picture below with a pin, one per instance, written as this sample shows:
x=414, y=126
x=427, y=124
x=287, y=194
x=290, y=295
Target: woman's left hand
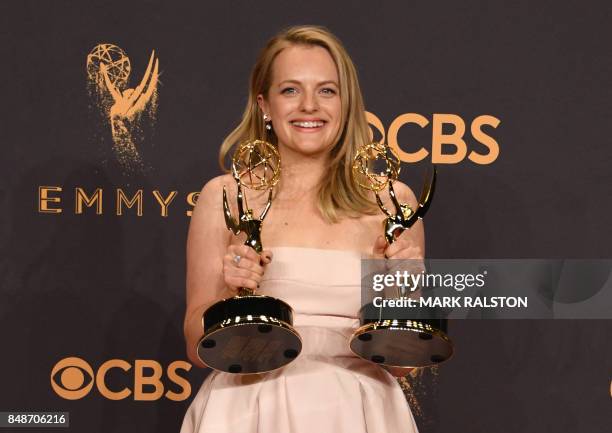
x=403, y=248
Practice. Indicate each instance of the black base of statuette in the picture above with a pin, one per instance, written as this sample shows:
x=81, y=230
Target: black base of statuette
x=403, y=342
x=249, y=334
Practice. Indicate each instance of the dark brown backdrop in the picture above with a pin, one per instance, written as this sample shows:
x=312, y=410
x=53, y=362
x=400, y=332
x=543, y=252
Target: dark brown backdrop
x=104, y=287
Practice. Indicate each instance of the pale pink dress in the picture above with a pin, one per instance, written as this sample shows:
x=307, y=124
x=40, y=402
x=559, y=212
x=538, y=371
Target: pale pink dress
x=327, y=389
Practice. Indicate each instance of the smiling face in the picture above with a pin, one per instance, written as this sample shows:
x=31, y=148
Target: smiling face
x=303, y=100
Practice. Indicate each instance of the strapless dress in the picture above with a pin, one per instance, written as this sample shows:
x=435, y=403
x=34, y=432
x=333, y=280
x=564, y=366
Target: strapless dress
x=326, y=389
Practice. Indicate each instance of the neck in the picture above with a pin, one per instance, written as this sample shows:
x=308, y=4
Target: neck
x=301, y=175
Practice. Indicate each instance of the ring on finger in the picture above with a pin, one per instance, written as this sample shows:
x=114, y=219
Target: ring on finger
x=237, y=259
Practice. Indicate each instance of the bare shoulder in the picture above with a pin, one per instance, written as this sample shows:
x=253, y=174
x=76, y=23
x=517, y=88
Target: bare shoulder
x=214, y=187
x=208, y=212
x=211, y=195
x=404, y=193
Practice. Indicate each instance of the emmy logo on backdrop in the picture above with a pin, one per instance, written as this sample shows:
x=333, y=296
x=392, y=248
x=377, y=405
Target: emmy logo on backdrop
x=108, y=72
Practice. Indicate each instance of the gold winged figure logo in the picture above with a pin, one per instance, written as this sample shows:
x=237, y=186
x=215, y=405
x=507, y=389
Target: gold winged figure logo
x=108, y=71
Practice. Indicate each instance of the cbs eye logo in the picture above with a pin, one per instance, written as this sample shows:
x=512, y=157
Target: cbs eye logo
x=71, y=374
x=73, y=378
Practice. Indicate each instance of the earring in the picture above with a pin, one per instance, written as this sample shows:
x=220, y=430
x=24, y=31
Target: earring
x=268, y=122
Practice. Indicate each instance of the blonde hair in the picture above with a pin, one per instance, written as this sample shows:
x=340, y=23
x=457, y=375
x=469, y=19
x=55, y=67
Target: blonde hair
x=338, y=193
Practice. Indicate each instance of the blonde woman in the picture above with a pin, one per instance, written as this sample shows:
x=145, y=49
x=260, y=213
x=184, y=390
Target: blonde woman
x=305, y=99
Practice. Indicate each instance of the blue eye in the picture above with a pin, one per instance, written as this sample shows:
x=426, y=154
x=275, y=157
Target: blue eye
x=289, y=90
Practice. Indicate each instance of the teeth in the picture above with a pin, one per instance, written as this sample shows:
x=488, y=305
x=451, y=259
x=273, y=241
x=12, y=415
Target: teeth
x=309, y=124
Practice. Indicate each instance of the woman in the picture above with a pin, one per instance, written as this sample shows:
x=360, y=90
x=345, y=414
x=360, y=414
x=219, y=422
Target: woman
x=305, y=99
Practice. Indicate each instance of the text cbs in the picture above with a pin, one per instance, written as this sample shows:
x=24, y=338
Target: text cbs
x=446, y=147
x=73, y=378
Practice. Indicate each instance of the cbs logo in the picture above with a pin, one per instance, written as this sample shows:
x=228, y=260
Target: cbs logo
x=446, y=148
x=73, y=378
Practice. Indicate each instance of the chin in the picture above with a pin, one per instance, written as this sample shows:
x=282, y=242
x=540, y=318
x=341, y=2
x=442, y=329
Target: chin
x=310, y=149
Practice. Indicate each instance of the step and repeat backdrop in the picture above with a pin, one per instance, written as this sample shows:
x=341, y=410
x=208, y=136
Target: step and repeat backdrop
x=112, y=116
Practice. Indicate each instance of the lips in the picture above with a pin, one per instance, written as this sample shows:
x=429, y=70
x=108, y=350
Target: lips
x=308, y=124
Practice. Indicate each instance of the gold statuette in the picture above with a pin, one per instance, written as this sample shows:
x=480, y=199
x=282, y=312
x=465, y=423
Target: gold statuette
x=250, y=333
x=383, y=338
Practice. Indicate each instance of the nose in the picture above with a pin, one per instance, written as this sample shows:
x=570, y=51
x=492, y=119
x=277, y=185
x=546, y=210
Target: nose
x=309, y=102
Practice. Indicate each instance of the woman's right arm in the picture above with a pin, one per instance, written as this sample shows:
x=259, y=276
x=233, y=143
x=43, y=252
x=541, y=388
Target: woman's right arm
x=212, y=274
x=207, y=243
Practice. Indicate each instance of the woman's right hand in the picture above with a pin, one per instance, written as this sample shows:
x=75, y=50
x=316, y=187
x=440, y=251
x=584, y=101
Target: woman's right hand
x=243, y=267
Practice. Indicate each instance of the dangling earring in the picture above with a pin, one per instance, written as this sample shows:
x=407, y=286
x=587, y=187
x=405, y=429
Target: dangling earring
x=268, y=122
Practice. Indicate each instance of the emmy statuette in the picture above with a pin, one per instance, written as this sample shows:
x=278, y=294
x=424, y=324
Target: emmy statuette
x=382, y=338
x=250, y=333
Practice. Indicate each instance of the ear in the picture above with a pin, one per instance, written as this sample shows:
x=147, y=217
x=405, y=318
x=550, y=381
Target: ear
x=263, y=105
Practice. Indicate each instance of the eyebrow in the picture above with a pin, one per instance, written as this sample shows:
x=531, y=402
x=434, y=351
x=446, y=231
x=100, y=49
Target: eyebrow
x=318, y=84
